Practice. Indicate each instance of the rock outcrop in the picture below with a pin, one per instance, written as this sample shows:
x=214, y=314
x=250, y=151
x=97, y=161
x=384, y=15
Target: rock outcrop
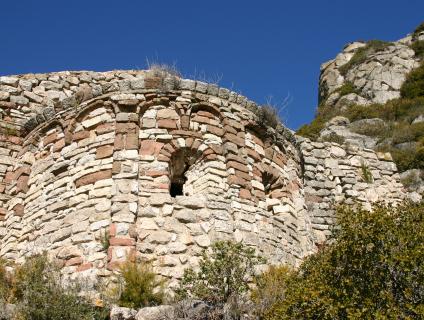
x=376, y=78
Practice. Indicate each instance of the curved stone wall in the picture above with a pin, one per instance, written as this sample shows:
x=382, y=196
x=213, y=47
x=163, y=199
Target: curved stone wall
x=97, y=167
x=159, y=174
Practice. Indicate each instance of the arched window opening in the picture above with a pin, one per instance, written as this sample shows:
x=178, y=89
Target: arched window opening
x=180, y=164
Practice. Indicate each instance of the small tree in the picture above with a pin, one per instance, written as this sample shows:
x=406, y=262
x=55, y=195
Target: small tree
x=374, y=269
x=140, y=286
x=223, y=273
x=40, y=294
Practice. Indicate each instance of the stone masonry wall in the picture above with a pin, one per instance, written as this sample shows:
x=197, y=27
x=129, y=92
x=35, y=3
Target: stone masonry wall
x=345, y=174
x=97, y=167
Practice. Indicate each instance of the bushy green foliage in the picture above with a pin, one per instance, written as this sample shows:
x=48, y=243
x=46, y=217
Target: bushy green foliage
x=5, y=282
x=413, y=86
x=418, y=30
x=223, y=273
x=418, y=48
x=373, y=269
x=271, y=288
x=140, y=286
x=346, y=89
x=333, y=137
x=363, y=53
x=40, y=294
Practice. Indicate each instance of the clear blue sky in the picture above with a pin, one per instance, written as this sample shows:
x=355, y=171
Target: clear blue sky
x=261, y=48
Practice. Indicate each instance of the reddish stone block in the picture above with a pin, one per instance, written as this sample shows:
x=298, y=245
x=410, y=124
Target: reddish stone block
x=245, y=194
x=59, y=145
x=74, y=261
x=234, y=139
x=215, y=130
x=126, y=127
x=259, y=194
x=84, y=134
x=233, y=179
x=50, y=138
x=189, y=142
x=119, y=142
x=196, y=144
x=200, y=119
x=18, y=210
x=163, y=158
x=237, y=165
x=105, y=128
x=104, y=152
x=93, y=177
x=22, y=184
x=206, y=114
x=150, y=147
x=2, y=213
x=167, y=124
x=243, y=175
x=216, y=148
x=279, y=159
x=84, y=267
x=131, y=142
x=211, y=157
x=113, y=241
x=112, y=230
x=24, y=170
x=116, y=167
x=185, y=122
x=253, y=154
x=156, y=173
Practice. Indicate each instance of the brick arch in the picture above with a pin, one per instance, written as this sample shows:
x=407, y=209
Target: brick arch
x=205, y=106
x=70, y=128
x=36, y=135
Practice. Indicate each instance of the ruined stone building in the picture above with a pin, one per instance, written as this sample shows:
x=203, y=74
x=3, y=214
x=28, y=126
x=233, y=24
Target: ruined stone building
x=97, y=166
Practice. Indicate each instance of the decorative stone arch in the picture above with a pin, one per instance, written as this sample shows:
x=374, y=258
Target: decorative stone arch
x=182, y=154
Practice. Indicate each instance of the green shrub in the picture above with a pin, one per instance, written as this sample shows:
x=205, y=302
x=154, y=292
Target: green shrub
x=5, y=282
x=271, y=288
x=346, y=89
x=333, y=137
x=40, y=294
x=418, y=48
x=418, y=30
x=140, y=286
x=373, y=269
x=363, y=53
x=366, y=173
x=413, y=86
x=223, y=273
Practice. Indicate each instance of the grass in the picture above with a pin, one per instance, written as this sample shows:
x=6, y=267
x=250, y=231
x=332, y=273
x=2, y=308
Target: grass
x=347, y=88
x=398, y=115
x=363, y=53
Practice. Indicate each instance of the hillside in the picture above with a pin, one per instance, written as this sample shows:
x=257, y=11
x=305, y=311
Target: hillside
x=372, y=95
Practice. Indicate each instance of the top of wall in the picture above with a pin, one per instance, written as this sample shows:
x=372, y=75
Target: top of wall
x=28, y=100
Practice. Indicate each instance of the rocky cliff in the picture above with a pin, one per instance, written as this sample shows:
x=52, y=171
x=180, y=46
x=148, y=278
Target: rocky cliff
x=372, y=95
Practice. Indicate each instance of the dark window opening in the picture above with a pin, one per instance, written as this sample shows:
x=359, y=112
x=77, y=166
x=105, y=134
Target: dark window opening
x=268, y=181
x=179, y=167
x=176, y=189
